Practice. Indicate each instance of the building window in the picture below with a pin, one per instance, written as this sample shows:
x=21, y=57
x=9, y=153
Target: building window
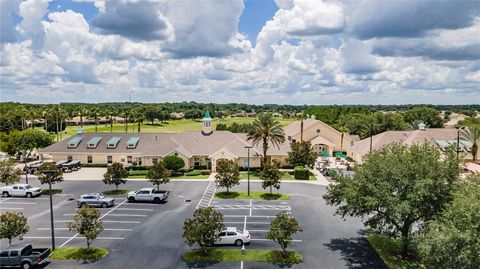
x=140, y=160
x=245, y=163
x=129, y=159
x=109, y=159
x=122, y=159
x=69, y=158
x=155, y=160
x=89, y=159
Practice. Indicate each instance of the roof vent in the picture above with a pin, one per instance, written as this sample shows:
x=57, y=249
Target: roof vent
x=421, y=126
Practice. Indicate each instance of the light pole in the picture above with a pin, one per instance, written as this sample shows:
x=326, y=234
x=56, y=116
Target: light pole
x=248, y=169
x=458, y=139
x=48, y=174
x=371, y=137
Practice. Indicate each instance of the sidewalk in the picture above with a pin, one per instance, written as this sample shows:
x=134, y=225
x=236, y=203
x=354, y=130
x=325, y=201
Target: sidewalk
x=320, y=178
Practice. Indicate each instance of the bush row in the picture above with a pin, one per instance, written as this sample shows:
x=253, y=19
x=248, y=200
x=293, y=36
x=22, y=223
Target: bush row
x=301, y=173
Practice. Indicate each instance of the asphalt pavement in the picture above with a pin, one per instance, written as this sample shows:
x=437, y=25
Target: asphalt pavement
x=143, y=235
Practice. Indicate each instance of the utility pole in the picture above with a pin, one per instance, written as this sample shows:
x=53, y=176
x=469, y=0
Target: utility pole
x=48, y=174
x=248, y=169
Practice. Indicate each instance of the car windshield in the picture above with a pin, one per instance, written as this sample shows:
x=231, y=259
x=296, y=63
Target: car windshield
x=239, y=230
x=28, y=187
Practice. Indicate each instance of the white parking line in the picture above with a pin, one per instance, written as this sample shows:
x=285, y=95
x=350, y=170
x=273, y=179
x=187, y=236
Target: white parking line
x=261, y=231
x=24, y=198
x=245, y=223
x=70, y=238
x=6, y=199
x=137, y=209
x=241, y=222
x=117, y=206
x=250, y=207
x=116, y=215
x=105, y=221
x=66, y=229
x=17, y=203
x=11, y=208
x=254, y=216
x=261, y=239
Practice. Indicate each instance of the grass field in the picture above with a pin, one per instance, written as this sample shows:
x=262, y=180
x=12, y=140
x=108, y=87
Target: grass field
x=237, y=255
x=388, y=249
x=79, y=254
x=172, y=126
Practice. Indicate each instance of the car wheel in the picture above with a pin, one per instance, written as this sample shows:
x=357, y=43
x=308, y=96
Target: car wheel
x=156, y=200
x=5, y=194
x=83, y=204
x=29, y=195
x=238, y=242
x=26, y=265
x=131, y=199
x=104, y=205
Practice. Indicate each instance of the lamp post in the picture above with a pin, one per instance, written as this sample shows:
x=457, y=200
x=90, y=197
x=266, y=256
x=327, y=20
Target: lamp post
x=371, y=137
x=48, y=174
x=248, y=169
x=458, y=139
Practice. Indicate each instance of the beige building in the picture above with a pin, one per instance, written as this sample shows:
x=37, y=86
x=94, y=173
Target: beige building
x=441, y=137
x=199, y=149
x=324, y=139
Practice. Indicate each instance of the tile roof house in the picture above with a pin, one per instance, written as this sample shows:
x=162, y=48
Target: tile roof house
x=441, y=137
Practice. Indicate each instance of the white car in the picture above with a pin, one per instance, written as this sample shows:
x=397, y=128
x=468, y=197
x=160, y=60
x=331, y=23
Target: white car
x=20, y=190
x=233, y=236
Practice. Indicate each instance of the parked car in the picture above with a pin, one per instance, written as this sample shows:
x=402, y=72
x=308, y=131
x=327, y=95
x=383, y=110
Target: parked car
x=147, y=195
x=24, y=256
x=71, y=166
x=25, y=190
x=32, y=167
x=95, y=200
x=233, y=236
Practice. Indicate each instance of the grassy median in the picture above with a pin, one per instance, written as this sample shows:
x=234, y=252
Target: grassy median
x=116, y=192
x=54, y=191
x=236, y=255
x=256, y=195
x=389, y=251
x=79, y=254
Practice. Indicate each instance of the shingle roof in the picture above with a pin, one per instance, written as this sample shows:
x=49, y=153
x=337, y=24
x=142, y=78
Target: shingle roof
x=188, y=143
x=404, y=137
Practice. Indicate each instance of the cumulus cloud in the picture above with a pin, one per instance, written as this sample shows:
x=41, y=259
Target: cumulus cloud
x=369, y=19
x=32, y=12
x=135, y=20
x=7, y=29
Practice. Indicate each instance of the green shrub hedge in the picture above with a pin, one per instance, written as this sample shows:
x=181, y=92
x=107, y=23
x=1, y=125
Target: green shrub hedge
x=93, y=164
x=193, y=173
x=205, y=172
x=301, y=173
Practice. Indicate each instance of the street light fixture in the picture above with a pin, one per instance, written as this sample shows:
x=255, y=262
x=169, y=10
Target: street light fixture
x=248, y=169
x=48, y=174
x=458, y=139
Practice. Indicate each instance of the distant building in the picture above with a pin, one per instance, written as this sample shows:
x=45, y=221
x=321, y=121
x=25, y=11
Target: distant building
x=177, y=115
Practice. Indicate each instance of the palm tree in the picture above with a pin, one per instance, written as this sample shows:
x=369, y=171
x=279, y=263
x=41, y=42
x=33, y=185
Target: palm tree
x=343, y=130
x=472, y=134
x=94, y=112
x=266, y=129
x=111, y=112
x=82, y=111
x=44, y=115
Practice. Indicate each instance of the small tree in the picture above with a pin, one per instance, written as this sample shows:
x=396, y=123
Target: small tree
x=173, y=163
x=282, y=227
x=12, y=225
x=301, y=154
x=8, y=173
x=87, y=222
x=271, y=176
x=158, y=174
x=49, y=172
x=453, y=240
x=116, y=175
x=228, y=174
x=397, y=188
x=29, y=140
x=204, y=228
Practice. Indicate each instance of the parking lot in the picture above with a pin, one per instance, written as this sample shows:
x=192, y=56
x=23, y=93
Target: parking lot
x=143, y=235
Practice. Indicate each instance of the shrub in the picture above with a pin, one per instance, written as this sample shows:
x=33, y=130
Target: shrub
x=93, y=164
x=193, y=173
x=205, y=172
x=136, y=167
x=173, y=163
x=301, y=173
x=331, y=173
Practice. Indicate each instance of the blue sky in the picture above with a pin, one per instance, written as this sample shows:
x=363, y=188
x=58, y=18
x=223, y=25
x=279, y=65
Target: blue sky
x=270, y=51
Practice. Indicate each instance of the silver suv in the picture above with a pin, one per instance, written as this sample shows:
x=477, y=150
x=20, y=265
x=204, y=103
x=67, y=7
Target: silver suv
x=95, y=200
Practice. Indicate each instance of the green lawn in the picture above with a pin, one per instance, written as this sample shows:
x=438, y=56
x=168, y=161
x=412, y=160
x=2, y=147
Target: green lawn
x=255, y=176
x=116, y=192
x=54, y=191
x=236, y=255
x=83, y=254
x=256, y=195
x=388, y=249
x=172, y=126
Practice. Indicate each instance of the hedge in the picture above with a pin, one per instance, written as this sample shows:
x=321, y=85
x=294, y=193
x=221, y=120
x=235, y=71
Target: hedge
x=301, y=173
x=93, y=164
x=193, y=173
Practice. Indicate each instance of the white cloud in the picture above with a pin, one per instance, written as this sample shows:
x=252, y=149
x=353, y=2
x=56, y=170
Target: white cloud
x=32, y=12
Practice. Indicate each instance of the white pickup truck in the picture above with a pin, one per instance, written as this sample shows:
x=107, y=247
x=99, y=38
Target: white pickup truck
x=24, y=190
x=147, y=195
